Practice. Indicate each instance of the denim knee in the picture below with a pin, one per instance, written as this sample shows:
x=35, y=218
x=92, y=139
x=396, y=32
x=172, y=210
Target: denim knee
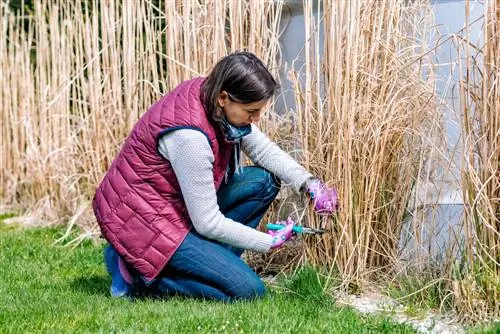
x=272, y=183
x=252, y=290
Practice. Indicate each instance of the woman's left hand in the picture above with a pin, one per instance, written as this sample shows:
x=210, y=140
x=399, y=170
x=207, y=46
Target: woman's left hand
x=325, y=198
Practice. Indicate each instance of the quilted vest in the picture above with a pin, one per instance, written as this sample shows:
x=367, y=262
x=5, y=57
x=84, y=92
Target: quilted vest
x=139, y=205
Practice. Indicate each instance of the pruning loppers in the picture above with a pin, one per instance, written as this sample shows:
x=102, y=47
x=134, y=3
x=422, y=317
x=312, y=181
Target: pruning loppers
x=297, y=229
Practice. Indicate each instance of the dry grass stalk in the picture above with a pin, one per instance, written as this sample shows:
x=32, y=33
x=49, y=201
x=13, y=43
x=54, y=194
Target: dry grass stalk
x=477, y=294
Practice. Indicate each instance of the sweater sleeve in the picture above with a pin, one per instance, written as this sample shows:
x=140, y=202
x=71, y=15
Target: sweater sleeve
x=192, y=159
x=263, y=152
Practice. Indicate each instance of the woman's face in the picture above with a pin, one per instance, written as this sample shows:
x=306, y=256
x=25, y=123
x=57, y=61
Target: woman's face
x=241, y=114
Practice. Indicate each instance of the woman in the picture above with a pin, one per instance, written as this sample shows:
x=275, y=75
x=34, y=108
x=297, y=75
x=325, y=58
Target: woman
x=177, y=207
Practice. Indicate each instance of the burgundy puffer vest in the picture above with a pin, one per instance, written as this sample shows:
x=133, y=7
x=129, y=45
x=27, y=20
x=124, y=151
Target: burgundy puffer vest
x=139, y=205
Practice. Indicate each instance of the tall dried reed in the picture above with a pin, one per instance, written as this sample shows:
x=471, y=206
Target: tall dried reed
x=362, y=115
x=477, y=290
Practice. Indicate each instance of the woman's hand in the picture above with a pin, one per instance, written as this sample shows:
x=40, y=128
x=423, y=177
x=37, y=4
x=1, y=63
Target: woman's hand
x=325, y=198
x=283, y=235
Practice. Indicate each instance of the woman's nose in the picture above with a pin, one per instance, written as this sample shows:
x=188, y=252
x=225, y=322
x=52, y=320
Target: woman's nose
x=255, y=117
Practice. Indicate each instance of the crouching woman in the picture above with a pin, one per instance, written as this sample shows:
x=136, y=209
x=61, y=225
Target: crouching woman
x=176, y=205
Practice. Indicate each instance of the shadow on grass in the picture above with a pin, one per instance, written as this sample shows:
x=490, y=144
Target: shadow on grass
x=99, y=285
x=93, y=285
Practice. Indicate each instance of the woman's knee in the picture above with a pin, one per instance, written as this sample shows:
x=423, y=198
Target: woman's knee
x=271, y=183
x=242, y=283
x=251, y=290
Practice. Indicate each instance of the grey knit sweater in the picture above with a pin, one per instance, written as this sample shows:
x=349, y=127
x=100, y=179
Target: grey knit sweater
x=192, y=158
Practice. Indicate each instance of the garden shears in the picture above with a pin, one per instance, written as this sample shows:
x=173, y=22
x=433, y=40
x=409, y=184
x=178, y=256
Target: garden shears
x=297, y=229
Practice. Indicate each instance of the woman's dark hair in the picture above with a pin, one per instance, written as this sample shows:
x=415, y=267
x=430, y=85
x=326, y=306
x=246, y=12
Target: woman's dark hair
x=243, y=76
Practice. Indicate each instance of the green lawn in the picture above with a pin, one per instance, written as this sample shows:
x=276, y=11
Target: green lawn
x=47, y=288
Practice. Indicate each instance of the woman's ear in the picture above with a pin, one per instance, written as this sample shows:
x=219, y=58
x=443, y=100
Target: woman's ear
x=222, y=99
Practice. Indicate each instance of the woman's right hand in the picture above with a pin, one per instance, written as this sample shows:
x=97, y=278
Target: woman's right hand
x=282, y=235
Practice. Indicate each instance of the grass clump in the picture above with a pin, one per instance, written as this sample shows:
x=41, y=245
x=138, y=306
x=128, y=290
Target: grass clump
x=421, y=291
x=493, y=328
x=6, y=215
x=308, y=284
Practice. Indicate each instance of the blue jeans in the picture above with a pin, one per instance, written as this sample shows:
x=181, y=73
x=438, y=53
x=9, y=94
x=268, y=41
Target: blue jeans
x=209, y=269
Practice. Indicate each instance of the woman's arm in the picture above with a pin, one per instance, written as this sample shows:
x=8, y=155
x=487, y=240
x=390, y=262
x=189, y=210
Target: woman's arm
x=263, y=152
x=192, y=160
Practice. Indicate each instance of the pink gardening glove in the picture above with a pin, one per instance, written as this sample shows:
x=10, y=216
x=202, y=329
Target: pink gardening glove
x=325, y=198
x=283, y=235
